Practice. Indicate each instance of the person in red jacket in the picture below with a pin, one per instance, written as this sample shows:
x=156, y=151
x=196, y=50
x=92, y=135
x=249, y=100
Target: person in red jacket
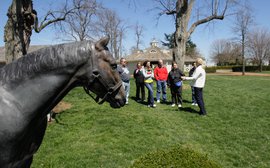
x=161, y=75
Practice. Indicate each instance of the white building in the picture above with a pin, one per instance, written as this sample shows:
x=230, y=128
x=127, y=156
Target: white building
x=153, y=54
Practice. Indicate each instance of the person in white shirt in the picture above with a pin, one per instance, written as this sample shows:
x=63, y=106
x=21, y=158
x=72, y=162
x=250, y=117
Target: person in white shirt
x=198, y=79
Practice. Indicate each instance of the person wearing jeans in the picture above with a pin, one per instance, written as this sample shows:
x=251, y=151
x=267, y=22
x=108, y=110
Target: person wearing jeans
x=150, y=98
x=161, y=74
x=125, y=76
x=198, y=78
x=148, y=81
x=199, y=97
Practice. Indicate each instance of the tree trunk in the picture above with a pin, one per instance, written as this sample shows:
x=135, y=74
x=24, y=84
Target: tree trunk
x=18, y=29
x=261, y=65
x=180, y=53
x=181, y=34
x=243, y=54
x=183, y=31
x=114, y=41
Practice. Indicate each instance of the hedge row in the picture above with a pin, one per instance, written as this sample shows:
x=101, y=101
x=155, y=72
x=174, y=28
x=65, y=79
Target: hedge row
x=225, y=67
x=179, y=157
x=250, y=68
x=210, y=69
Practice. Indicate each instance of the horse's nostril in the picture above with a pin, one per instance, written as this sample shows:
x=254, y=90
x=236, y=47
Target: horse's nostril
x=110, y=90
x=96, y=73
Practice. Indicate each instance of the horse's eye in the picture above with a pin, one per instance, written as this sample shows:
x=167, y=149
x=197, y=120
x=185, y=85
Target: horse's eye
x=114, y=66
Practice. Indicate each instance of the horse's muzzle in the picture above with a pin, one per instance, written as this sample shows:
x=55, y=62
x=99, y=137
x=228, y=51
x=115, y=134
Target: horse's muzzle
x=118, y=101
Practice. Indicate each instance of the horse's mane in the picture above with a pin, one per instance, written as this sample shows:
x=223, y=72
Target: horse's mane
x=46, y=59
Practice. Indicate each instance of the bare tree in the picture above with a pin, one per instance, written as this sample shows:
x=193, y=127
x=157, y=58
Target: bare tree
x=243, y=22
x=139, y=29
x=78, y=25
x=181, y=11
x=110, y=24
x=218, y=51
x=225, y=52
x=259, y=46
x=22, y=19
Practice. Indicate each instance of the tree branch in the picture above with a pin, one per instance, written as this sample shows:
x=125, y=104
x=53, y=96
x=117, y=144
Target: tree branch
x=202, y=21
x=46, y=22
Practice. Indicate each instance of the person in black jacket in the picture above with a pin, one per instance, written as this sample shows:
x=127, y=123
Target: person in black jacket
x=175, y=84
x=194, y=102
x=139, y=81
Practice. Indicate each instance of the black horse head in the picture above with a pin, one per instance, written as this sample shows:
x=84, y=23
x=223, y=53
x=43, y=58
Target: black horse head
x=31, y=86
x=102, y=77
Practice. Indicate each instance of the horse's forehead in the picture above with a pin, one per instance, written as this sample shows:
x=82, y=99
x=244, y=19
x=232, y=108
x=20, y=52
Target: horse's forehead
x=104, y=54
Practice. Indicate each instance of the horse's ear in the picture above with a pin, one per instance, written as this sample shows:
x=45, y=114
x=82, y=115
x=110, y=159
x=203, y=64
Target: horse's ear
x=102, y=44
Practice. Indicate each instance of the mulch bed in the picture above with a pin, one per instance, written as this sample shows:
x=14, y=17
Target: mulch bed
x=61, y=106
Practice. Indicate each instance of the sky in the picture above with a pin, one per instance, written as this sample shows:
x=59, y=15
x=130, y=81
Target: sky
x=203, y=36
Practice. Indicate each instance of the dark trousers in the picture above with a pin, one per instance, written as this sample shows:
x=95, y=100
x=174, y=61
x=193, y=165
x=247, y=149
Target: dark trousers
x=176, y=94
x=140, y=90
x=193, y=95
x=199, y=99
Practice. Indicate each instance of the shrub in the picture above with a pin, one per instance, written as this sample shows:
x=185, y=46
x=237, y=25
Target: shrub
x=250, y=68
x=210, y=69
x=175, y=157
x=266, y=68
x=225, y=67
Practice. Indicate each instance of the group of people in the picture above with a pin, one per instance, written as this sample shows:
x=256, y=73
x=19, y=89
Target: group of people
x=145, y=76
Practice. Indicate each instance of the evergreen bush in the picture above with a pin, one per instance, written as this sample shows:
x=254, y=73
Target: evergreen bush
x=250, y=68
x=179, y=157
x=210, y=69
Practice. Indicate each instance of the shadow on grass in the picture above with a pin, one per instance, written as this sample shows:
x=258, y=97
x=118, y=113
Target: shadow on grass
x=139, y=102
x=187, y=101
x=189, y=110
x=57, y=118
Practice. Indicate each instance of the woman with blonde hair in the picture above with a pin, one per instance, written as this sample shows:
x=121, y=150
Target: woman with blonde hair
x=198, y=79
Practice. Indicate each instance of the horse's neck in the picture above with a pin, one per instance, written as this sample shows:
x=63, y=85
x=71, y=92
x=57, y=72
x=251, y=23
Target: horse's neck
x=42, y=92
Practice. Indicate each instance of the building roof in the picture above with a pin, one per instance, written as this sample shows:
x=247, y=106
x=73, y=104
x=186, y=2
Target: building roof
x=152, y=53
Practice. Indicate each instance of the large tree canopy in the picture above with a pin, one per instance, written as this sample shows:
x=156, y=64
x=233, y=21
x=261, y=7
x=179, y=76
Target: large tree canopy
x=22, y=19
x=187, y=19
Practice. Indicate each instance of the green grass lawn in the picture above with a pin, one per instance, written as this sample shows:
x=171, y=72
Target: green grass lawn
x=235, y=133
x=265, y=72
